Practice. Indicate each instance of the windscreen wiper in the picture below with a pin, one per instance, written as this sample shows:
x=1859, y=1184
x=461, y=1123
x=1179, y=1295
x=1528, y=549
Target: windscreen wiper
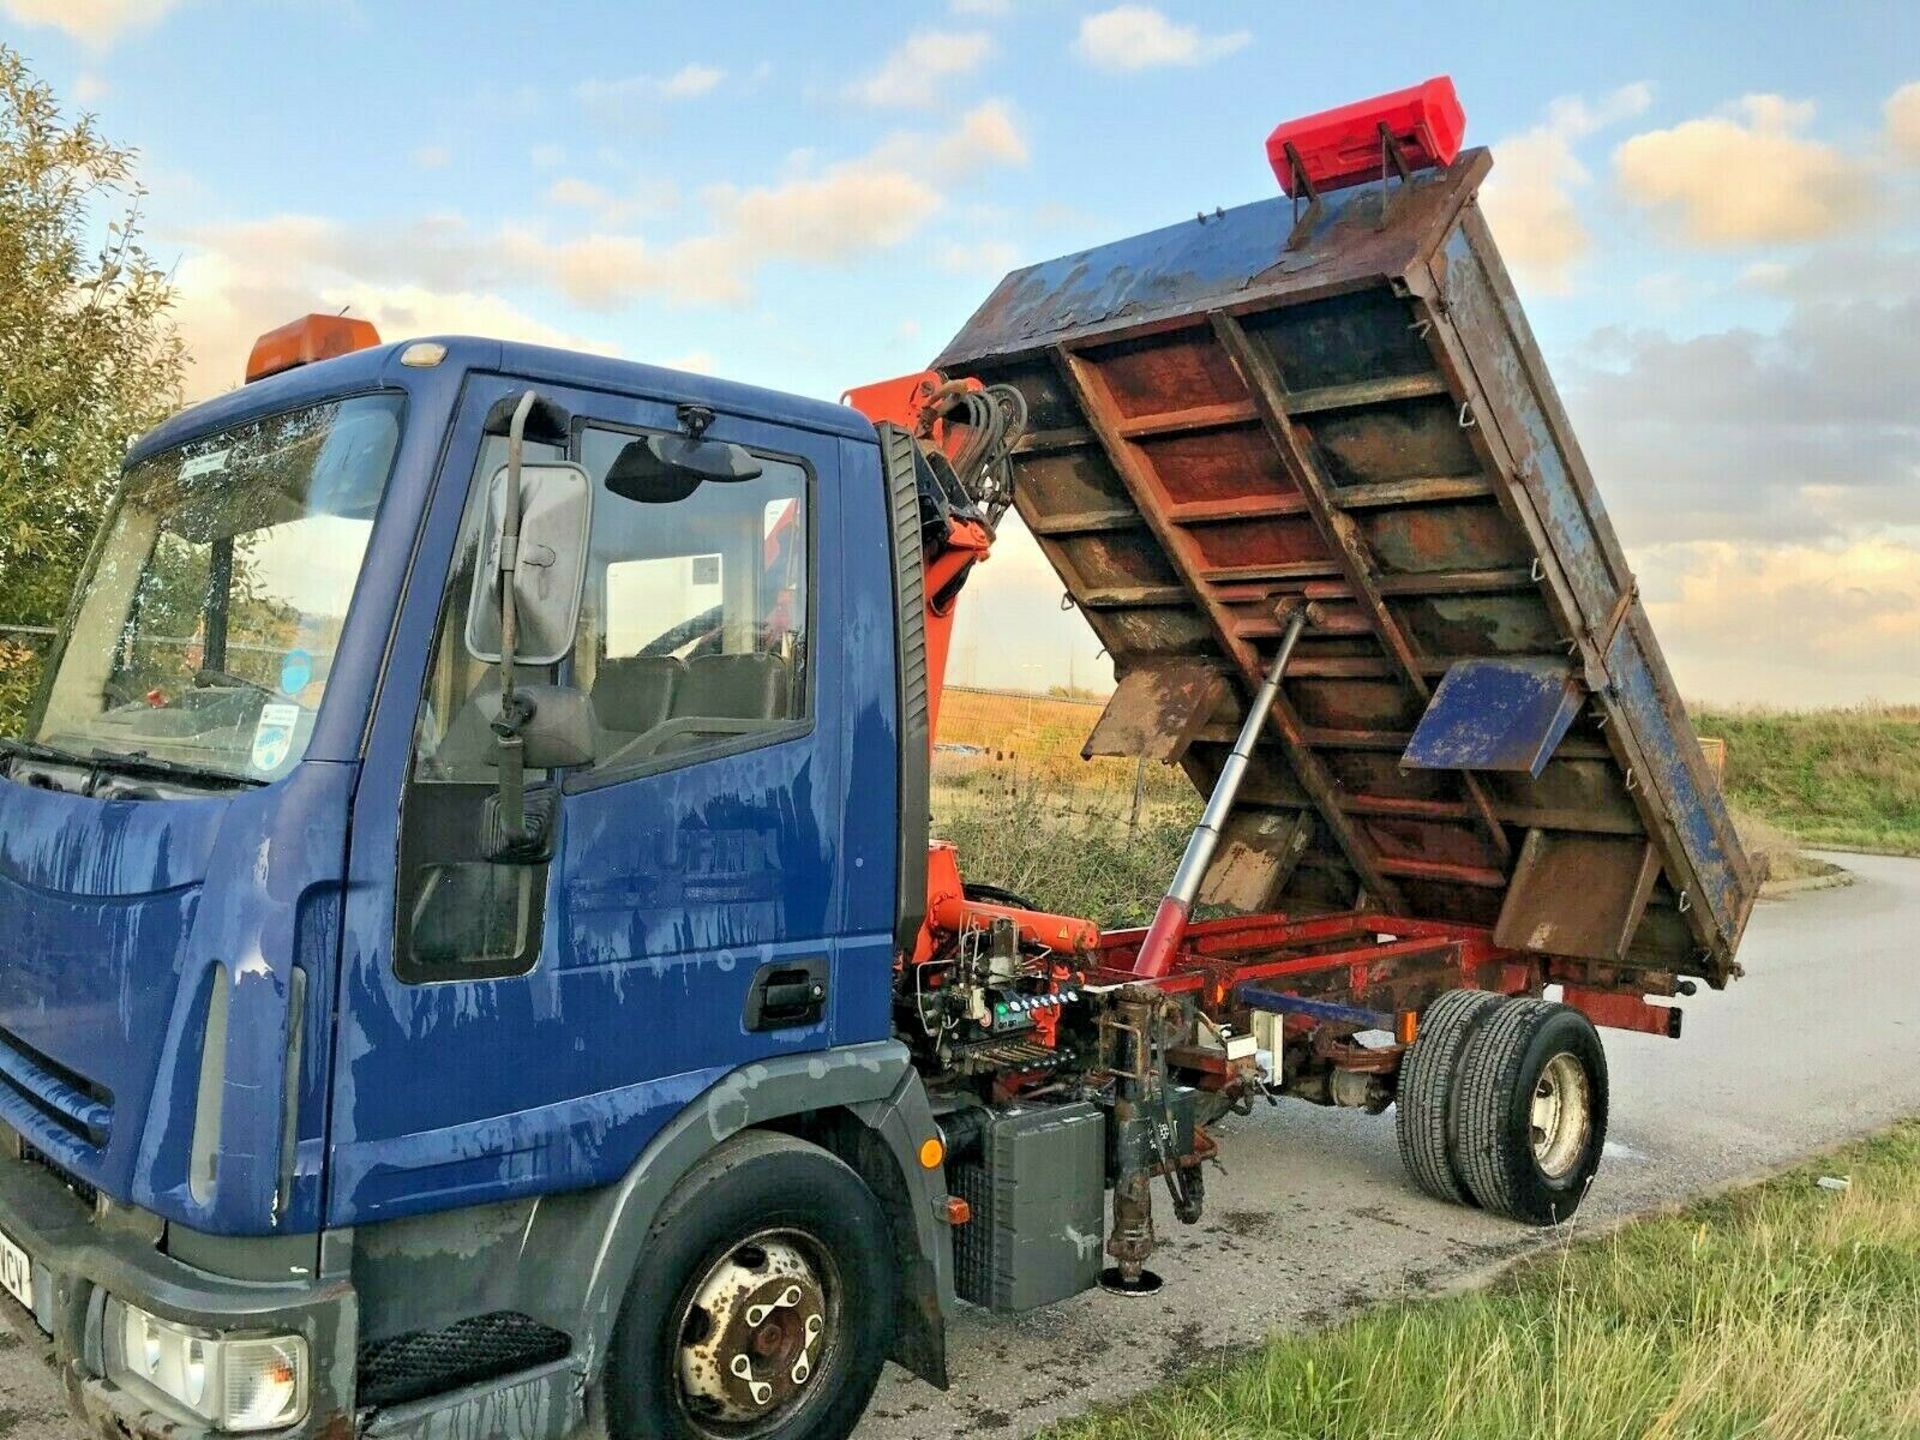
x=34, y=750
x=139, y=762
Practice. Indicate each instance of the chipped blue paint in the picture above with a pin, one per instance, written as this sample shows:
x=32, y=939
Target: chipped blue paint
x=667, y=893
x=1496, y=714
x=1210, y=261
x=1334, y=305
x=118, y=913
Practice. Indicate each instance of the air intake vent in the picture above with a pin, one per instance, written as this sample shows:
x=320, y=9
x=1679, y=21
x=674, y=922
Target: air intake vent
x=58, y=1111
x=429, y=1362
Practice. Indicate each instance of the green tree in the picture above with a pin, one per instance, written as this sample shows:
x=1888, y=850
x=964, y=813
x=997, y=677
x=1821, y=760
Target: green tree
x=88, y=355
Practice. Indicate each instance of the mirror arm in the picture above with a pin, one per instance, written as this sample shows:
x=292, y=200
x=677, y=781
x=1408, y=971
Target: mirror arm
x=514, y=709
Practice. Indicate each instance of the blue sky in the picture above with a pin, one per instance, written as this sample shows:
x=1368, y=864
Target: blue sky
x=1708, y=207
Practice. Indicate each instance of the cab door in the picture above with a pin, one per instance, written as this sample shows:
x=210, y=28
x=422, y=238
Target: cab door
x=512, y=1028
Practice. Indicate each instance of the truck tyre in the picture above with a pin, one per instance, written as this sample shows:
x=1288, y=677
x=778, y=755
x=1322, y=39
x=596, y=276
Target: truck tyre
x=1530, y=1115
x=1427, y=1087
x=762, y=1305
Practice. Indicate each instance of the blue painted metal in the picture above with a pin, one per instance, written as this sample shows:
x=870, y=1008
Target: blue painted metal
x=1221, y=259
x=1279, y=1002
x=118, y=916
x=1496, y=714
x=667, y=893
x=1679, y=793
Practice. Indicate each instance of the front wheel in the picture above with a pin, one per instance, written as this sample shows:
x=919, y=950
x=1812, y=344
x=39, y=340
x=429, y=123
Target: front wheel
x=762, y=1304
x=1529, y=1120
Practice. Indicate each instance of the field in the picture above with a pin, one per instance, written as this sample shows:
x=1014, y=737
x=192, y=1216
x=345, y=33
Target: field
x=1783, y=1310
x=1029, y=813
x=1011, y=790
x=1847, y=778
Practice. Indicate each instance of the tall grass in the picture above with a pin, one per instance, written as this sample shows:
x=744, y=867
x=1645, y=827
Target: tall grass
x=1782, y=1311
x=1837, y=777
x=1067, y=850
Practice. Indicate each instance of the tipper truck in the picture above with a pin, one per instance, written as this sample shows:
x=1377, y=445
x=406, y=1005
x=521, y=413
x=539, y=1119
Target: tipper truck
x=476, y=958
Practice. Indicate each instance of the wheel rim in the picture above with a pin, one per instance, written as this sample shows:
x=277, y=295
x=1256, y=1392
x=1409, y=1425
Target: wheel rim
x=1562, y=1115
x=755, y=1333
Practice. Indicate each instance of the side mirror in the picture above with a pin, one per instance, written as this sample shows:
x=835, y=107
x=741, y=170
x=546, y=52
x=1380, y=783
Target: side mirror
x=550, y=575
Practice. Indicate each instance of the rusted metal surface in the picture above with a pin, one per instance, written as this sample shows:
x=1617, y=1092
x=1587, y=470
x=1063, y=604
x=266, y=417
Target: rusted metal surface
x=1578, y=895
x=1625, y=1012
x=1220, y=424
x=1156, y=711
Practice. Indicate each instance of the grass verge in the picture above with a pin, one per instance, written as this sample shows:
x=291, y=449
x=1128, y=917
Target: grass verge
x=1780, y=1310
x=1849, y=778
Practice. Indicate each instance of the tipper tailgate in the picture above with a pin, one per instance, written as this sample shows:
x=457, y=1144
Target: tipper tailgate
x=1480, y=727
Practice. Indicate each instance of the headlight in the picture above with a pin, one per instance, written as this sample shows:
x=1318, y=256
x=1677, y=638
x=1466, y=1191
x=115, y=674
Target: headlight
x=234, y=1382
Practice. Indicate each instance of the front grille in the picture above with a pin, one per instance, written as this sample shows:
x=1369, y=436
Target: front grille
x=33, y=1155
x=429, y=1362
x=60, y=1111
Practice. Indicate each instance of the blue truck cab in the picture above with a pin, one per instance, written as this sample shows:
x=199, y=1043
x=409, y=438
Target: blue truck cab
x=327, y=1111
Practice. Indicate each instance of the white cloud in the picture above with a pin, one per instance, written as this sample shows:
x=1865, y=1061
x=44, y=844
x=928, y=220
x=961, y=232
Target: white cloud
x=691, y=81
x=1530, y=196
x=438, y=272
x=1746, y=435
x=1903, y=121
x=1745, y=177
x=1813, y=624
x=88, y=86
x=987, y=135
x=433, y=157
x=1139, y=37
x=698, y=362
x=97, y=23
x=980, y=258
x=548, y=157
x=229, y=297
x=914, y=73
x=572, y=190
x=633, y=96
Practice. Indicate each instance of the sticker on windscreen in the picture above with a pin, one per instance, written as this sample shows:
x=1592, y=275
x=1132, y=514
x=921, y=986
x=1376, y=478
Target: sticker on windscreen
x=296, y=669
x=273, y=736
x=212, y=463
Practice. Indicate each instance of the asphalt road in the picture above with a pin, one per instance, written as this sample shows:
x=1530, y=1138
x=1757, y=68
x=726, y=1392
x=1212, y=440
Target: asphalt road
x=1315, y=1219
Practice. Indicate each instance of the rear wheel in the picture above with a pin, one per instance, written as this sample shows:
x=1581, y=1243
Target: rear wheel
x=1428, y=1080
x=762, y=1304
x=1529, y=1120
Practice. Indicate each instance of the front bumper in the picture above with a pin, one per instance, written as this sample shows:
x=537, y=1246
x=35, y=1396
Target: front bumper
x=78, y=1261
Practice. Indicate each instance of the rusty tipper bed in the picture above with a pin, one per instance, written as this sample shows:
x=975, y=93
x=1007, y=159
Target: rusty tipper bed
x=1477, y=769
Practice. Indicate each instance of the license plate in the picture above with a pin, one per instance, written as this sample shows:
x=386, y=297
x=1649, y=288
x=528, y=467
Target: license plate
x=16, y=1272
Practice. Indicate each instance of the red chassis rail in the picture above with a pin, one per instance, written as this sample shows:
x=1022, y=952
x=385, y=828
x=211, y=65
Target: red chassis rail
x=1385, y=963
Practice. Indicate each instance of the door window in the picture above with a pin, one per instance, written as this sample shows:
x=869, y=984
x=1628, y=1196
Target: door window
x=694, y=631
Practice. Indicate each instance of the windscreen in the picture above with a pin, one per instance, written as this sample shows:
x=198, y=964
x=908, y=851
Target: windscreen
x=206, y=628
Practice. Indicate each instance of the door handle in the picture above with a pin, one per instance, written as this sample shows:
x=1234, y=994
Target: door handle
x=786, y=995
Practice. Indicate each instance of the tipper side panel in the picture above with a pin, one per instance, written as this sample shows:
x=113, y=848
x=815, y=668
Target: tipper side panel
x=1220, y=422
